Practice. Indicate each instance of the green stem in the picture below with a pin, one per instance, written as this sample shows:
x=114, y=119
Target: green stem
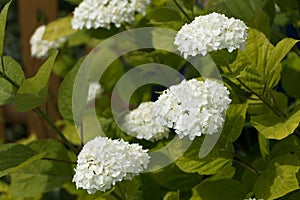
x=249, y=167
x=276, y=111
x=56, y=129
x=2, y=64
x=40, y=112
x=182, y=10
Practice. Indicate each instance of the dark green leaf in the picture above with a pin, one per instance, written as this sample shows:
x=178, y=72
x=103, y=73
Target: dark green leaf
x=234, y=121
x=164, y=14
x=189, y=4
x=14, y=71
x=3, y=16
x=33, y=91
x=264, y=146
x=16, y=156
x=221, y=189
x=65, y=93
x=173, y=178
x=43, y=175
x=290, y=75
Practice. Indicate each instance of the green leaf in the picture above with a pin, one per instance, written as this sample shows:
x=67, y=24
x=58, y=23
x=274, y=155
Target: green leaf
x=172, y=196
x=223, y=57
x=218, y=159
x=76, y=2
x=65, y=93
x=171, y=177
x=290, y=75
x=43, y=175
x=289, y=145
x=164, y=14
x=234, y=121
x=58, y=29
x=254, y=12
x=264, y=146
x=277, y=181
x=273, y=127
x=3, y=16
x=189, y=4
x=221, y=189
x=33, y=91
x=273, y=62
x=15, y=72
x=260, y=62
x=16, y=156
x=225, y=173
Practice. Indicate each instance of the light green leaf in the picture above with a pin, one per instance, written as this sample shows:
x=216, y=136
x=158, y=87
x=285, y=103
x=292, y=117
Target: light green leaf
x=58, y=29
x=16, y=156
x=43, y=175
x=226, y=189
x=290, y=75
x=234, y=121
x=225, y=173
x=260, y=62
x=276, y=181
x=273, y=68
x=3, y=16
x=65, y=93
x=264, y=146
x=172, y=196
x=218, y=159
x=14, y=71
x=273, y=127
x=33, y=91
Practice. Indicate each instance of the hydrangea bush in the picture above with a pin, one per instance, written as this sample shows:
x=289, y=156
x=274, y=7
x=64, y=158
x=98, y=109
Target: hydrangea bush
x=239, y=129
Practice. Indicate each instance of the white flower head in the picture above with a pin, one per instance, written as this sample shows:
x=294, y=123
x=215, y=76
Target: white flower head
x=101, y=13
x=210, y=33
x=193, y=107
x=40, y=47
x=95, y=91
x=102, y=162
x=141, y=123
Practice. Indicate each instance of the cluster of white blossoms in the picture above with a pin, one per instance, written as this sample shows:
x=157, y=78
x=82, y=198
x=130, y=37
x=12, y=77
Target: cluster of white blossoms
x=94, y=91
x=193, y=107
x=40, y=47
x=101, y=13
x=102, y=162
x=141, y=123
x=210, y=33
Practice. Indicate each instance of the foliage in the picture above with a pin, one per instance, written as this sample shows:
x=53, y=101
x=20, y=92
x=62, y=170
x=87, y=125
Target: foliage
x=257, y=154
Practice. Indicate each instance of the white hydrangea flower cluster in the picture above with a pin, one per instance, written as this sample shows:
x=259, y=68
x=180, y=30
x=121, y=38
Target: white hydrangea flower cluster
x=141, y=123
x=95, y=90
x=101, y=13
x=40, y=47
x=103, y=162
x=193, y=107
x=210, y=33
